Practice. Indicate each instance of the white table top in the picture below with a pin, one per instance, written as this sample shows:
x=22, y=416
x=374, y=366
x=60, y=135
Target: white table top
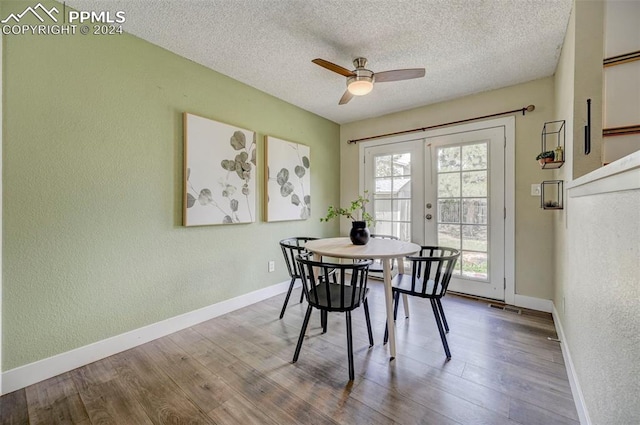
x=375, y=248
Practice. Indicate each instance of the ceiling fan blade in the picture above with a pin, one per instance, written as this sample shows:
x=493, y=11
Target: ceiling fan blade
x=398, y=74
x=333, y=67
x=346, y=97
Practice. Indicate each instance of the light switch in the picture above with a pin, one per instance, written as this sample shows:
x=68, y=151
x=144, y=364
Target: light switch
x=535, y=189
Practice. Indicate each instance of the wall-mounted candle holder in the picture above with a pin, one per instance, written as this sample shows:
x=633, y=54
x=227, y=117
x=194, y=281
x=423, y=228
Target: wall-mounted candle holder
x=551, y=195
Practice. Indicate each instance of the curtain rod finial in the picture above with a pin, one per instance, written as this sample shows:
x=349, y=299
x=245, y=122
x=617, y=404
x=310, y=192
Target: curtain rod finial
x=531, y=108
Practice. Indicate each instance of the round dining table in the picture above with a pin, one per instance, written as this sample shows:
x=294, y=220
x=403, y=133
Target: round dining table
x=377, y=249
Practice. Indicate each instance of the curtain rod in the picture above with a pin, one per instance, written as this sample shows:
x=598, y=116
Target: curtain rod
x=529, y=108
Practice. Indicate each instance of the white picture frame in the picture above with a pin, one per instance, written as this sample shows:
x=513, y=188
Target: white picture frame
x=288, y=180
x=220, y=172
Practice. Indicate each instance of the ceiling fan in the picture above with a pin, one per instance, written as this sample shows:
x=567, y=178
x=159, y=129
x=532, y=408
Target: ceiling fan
x=360, y=80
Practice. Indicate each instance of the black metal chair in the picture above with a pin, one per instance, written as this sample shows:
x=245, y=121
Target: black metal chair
x=430, y=276
x=334, y=287
x=376, y=266
x=291, y=248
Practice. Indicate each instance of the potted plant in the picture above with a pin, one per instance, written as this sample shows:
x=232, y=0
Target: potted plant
x=547, y=156
x=360, y=218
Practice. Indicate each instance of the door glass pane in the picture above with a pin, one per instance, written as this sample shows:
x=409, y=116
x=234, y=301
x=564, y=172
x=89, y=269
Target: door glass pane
x=382, y=166
x=382, y=209
x=474, y=238
x=449, y=235
x=474, y=210
x=402, y=165
x=462, y=215
x=474, y=183
x=449, y=185
x=392, y=195
x=402, y=187
x=449, y=159
x=474, y=157
x=449, y=210
x=474, y=264
x=383, y=228
x=383, y=187
x=404, y=231
x=402, y=210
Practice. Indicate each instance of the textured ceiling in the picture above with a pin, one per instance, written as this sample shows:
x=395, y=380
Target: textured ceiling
x=466, y=46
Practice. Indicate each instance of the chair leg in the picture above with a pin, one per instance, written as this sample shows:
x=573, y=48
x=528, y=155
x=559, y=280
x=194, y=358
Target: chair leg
x=286, y=299
x=405, y=304
x=302, y=295
x=366, y=315
x=444, y=318
x=323, y=321
x=350, y=347
x=396, y=299
x=302, y=332
x=443, y=337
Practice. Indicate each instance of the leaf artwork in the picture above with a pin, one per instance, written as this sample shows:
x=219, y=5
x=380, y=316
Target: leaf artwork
x=283, y=176
x=288, y=196
x=286, y=189
x=220, y=165
x=238, y=141
x=242, y=167
x=205, y=197
x=190, y=200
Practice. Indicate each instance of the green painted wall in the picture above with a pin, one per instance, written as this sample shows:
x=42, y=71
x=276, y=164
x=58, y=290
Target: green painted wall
x=92, y=190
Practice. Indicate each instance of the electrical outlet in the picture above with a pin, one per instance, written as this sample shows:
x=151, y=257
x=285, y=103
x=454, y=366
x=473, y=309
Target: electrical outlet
x=272, y=266
x=535, y=189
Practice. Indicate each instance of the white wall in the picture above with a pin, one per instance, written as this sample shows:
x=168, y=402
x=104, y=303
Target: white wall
x=602, y=315
x=596, y=241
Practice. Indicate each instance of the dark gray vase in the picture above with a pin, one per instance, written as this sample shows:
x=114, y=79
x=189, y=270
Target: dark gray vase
x=359, y=233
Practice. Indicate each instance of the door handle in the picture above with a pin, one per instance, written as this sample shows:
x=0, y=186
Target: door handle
x=428, y=216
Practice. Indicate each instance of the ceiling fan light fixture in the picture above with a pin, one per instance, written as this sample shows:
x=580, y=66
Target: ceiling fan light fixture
x=360, y=85
x=360, y=81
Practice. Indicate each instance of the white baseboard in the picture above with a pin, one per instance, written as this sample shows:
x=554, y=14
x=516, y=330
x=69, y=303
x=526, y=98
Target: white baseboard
x=29, y=374
x=533, y=303
x=578, y=398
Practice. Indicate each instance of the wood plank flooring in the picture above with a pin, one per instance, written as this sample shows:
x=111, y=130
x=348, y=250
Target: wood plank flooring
x=236, y=369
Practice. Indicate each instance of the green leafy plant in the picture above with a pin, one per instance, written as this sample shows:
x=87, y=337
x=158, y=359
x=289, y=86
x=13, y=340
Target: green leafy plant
x=546, y=154
x=356, y=211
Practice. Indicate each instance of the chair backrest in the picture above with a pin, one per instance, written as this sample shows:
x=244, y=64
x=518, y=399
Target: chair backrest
x=432, y=269
x=377, y=264
x=333, y=286
x=384, y=237
x=291, y=248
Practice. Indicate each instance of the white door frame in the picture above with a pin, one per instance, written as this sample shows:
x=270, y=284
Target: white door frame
x=509, y=184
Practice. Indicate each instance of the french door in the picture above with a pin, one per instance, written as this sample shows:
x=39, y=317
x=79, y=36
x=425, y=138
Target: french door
x=465, y=208
x=445, y=189
x=393, y=181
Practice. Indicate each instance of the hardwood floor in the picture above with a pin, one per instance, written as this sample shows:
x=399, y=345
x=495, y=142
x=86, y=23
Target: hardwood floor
x=236, y=369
